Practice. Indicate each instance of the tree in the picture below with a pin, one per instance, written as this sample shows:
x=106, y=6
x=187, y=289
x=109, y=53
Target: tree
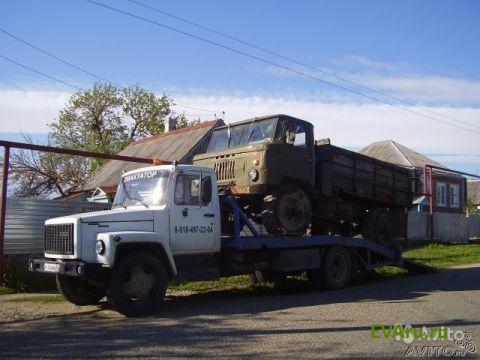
x=104, y=119
x=38, y=175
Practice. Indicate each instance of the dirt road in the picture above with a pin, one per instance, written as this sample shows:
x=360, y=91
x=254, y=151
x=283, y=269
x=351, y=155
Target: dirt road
x=301, y=325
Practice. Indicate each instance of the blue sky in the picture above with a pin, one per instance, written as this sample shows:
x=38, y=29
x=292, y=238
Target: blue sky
x=426, y=52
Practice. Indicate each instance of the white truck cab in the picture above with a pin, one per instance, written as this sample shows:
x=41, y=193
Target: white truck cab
x=166, y=211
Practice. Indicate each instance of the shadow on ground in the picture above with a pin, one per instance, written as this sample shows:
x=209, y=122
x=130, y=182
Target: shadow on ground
x=196, y=322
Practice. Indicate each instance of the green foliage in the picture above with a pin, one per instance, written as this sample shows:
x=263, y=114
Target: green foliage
x=91, y=120
x=4, y=290
x=19, y=279
x=102, y=119
x=228, y=283
x=147, y=112
x=438, y=255
x=442, y=255
x=106, y=118
x=472, y=208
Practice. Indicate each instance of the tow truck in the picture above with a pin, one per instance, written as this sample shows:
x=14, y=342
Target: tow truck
x=165, y=226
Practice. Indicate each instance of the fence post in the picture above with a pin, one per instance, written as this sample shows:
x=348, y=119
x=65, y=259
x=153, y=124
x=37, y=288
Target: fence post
x=3, y=208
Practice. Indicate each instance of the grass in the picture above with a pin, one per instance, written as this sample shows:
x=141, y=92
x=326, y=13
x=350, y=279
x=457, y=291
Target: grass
x=437, y=255
x=6, y=290
x=442, y=255
x=40, y=299
x=230, y=283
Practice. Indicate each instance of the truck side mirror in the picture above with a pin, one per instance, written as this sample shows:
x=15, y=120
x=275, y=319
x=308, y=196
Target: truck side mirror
x=291, y=137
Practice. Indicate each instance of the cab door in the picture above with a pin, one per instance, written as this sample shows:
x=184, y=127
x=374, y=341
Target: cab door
x=192, y=214
x=300, y=153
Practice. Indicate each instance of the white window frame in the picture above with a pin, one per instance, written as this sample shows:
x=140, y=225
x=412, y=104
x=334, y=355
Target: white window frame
x=438, y=186
x=454, y=198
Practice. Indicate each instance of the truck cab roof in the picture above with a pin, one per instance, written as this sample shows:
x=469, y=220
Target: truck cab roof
x=181, y=167
x=265, y=117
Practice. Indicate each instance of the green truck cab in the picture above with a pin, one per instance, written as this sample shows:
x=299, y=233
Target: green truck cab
x=254, y=155
x=294, y=185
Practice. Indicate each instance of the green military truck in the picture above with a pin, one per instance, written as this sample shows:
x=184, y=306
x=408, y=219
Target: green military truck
x=292, y=184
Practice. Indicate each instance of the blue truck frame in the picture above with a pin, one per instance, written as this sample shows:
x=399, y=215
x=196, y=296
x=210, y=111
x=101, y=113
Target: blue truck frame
x=369, y=254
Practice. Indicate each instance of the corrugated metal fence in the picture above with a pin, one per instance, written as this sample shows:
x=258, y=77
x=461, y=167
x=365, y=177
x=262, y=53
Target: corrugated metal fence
x=25, y=220
x=447, y=227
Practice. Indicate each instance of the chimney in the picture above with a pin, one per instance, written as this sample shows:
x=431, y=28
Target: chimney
x=170, y=124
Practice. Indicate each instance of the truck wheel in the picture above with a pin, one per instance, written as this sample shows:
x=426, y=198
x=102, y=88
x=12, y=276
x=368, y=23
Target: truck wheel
x=78, y=291
x=378, y=226
x=137, y=284
x=336, y=268
x=288, y=211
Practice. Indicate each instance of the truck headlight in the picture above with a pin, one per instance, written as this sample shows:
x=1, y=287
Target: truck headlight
x=99, y=247
x=253, y=175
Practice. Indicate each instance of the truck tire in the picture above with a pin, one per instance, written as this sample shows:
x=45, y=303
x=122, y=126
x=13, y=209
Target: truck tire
x=137, y=284
x=336, y=268
x=78, y=291
x=378, y=227
x=287, y=211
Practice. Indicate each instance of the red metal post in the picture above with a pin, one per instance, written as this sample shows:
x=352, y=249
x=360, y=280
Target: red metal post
x=430, y=190
x=56, y=150
x=425, y=179
x=18, y=145
x=3, y=209
x=431, y=203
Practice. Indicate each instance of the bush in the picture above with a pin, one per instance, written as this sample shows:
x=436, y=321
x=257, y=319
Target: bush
x=19, y=279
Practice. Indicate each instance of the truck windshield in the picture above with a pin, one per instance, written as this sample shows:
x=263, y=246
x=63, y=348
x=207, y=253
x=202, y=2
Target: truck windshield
x=242, y=135
x=145, y=188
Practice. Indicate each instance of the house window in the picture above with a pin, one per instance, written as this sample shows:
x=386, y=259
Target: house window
x=454, y=195
x=441, y=194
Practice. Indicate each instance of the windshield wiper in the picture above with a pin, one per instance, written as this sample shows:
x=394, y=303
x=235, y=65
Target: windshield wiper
x=127, y=194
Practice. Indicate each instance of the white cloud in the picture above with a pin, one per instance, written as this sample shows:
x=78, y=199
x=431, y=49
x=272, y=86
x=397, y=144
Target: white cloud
x=356, y=125
x=415, y=84
x=29, y=111
x=425, y=88
x=350, y=125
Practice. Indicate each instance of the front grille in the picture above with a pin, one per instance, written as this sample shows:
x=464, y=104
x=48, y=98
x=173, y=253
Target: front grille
x=59, y=239
x=225, y=170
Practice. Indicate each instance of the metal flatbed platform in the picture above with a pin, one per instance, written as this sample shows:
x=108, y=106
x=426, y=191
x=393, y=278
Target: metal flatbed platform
x=367, y=251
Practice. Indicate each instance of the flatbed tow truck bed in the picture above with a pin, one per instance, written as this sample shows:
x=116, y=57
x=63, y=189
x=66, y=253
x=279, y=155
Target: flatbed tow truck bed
x=292, y=254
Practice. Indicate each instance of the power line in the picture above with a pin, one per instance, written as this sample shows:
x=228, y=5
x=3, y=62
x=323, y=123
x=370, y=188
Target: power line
x=79, y=69
x=245, y=54
x=58, y=58
x=292, y=60
x=199, y=109
x=270, y=52
x=41, y=73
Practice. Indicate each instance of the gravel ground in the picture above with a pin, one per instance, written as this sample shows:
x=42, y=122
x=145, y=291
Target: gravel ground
x=301, y=325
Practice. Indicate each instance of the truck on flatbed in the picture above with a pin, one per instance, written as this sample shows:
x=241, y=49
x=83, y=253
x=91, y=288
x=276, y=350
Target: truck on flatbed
x=284, y=179
x=165, y=225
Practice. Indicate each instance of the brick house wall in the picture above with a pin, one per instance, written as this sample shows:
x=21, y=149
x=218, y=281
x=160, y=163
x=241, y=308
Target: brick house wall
x=449, y=193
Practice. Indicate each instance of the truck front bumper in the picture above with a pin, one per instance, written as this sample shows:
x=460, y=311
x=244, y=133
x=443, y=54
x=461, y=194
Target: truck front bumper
x=67, y=267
